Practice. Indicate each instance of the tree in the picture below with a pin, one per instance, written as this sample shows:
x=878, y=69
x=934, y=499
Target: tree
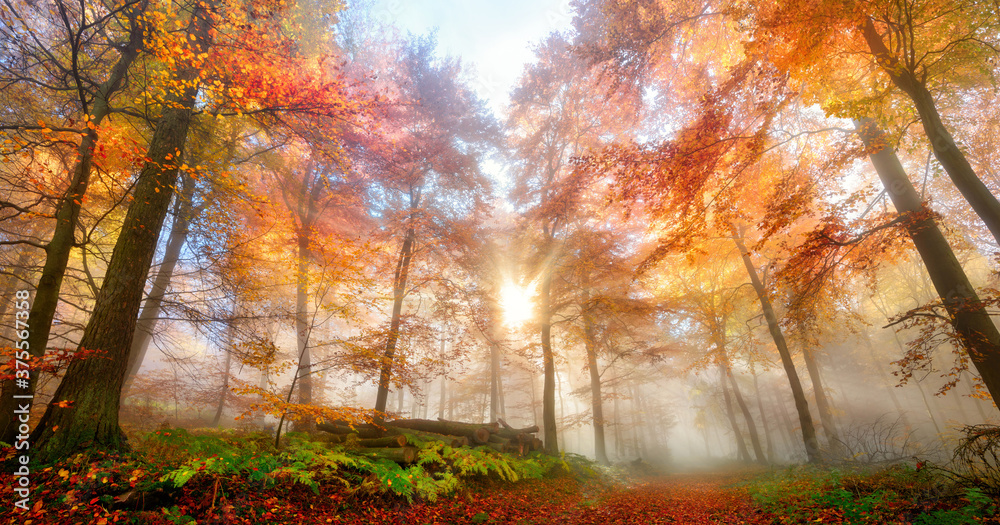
x=925, y=48
x=555, y=116
x=92, y=415
x=70, y=55
x=440, y=132
x=966, y=312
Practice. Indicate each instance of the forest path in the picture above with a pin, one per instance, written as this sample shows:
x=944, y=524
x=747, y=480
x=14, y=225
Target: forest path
x=679, y=498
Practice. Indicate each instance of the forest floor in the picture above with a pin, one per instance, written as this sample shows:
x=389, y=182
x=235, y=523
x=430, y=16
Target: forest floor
x=689, y=498
x=175, y=477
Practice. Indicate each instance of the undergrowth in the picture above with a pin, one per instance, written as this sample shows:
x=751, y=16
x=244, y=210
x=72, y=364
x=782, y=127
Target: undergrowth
x=440, y=469
x=898, y=493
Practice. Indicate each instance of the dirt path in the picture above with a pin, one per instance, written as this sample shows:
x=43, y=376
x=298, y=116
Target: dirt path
x=682, y=499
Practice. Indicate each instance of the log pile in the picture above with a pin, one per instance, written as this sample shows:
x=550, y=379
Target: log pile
x=401, y=439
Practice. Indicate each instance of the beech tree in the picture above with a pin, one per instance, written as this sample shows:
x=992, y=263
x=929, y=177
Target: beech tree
x=431, y=173
x=925, y=49
x=556, y=115
x=87, y=412
x=86, y=52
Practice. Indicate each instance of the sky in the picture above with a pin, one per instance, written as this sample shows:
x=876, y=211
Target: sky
x=495, y=37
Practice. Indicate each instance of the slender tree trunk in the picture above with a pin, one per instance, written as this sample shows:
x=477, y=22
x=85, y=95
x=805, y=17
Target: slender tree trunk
x=801, y=405
x=398, y=294
x=741, y=446
x=788, y=429
x=976, y=330
x=444, y=383
x=151, y=307
x=596, y=400
x=224, y=391
x=185, y=211
x=751, y=425
x=619, y=441
x=822, y=402
x=763, y=420
x=562, y=409
x=63, y=240
x=494, y=380
x=548, y=367
x=947, y=152
x=303, y=330
x=890, y=389
x=91, y=420
x=503, y=403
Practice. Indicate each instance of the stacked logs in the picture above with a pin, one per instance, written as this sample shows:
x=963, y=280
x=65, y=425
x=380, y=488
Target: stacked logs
x=400, y=440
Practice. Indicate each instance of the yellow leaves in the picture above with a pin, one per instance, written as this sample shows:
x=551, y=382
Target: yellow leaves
x=63, y=473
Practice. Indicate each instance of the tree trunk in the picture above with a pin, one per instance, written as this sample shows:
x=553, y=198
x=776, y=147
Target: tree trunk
x=947, y=152
x=619, y=439
x=444, y=382
x=494, y=380
x=822, y=402
x=403, y=455
x=93, y=386
x=597, y=402
x=889, y=387
x=184, y=212
x=801, y=406
x=150, y=314
x=549, y=435
x=398, y=294
x=63, y=240
x=763, y=419
x=741, y=446
x=786, y=428
x=976, y=330
x=751, y=425
x=303, y=329
x=228, y=348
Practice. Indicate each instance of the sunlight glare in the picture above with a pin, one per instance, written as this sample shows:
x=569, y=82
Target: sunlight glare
x=516, y=303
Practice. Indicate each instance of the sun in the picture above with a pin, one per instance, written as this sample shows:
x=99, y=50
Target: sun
x=516, y=303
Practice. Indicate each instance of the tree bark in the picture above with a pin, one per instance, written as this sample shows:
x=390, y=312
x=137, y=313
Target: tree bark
x=801, y=405
x=741, y=446
x=303, y=329
x=185, y=211
x=398, y=294
x=751, y=425
x=763, y=419
x=150, y=314
x=442, y=398
x=822, y=402
x=93, y=386
x=494, y=380
x=228, y=348
x=597, y=402
x=975, y=329
x=946, y=151
x=549, y=434
x=63, y=240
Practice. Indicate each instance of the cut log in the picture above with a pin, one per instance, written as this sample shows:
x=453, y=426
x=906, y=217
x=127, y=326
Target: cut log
x=496, y=438
x=363, y=431
x=387, y=441
x=510, y=432
x=403, y=455
x=475, y=432
x=454, y=441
